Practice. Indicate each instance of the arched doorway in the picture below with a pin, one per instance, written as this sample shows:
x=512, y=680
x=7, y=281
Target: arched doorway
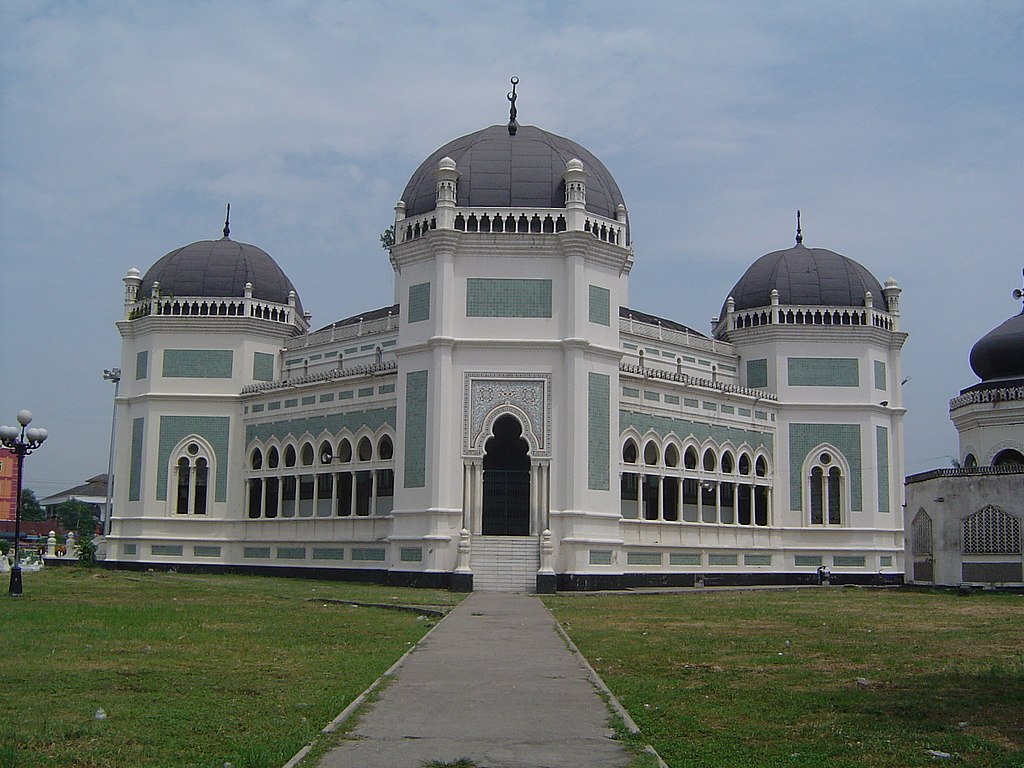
x=506, y=499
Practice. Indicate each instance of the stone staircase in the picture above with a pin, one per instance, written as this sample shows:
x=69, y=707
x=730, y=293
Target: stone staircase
x=504, y=563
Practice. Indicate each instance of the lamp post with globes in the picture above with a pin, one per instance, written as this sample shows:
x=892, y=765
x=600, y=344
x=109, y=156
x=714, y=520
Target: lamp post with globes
x=21, y=442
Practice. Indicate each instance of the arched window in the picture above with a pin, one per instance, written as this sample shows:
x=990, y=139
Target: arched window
x=385, y=449
x=191, y=477
x=651, y=453
x=761, y=467
x=690, y=458
x=289, y=456
x=970, y=462
x=326, y=452
x=709, y=460
x=826, y=490
x=307, y=455
x=629, y=452
x=273, y=458
x=671, y=456
x=1008, y=458
x=744, y=464
x=727, y=462
x=256, y=461
x=365, y=449
x=344, y=451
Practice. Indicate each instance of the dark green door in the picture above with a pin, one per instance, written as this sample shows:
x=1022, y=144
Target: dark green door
x=506, y=502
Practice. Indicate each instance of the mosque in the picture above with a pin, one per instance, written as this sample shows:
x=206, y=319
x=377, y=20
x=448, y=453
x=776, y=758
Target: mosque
x=964, y=522
x=510, y=422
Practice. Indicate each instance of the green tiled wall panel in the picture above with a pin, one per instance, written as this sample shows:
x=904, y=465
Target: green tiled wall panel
x=386, y=389
x=416, y=429
x=849, y=561
x=256, y=552
x=714, y=559
x=598, y=431
x=262, y=366
x=807, y=561
x=213, y=429
x=672, y=399
x=663, y=425
x=804, y=437
x=200, y=550
x=412, y=554
x=365, y=553
x=600, y=557
x=373, y=419
x=882, y=446
x=365, y=391
x=167, y=550
x=328, y=553
x=880, y=377
x=291, y=402
x=135, y=474
x=327, y=397
x=197, y=363
x=643, y=558
x=653, y=396
x=757, y=559
x=683, y=558
x=630, y=392
x=291, y=553
x=757, y=373
x=309, y=400
x=507, y=297
x=823, y=371
x=600, y=305
x=142, y=365
x=419, y=302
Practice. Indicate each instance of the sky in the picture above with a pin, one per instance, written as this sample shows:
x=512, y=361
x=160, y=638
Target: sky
x=896, y=127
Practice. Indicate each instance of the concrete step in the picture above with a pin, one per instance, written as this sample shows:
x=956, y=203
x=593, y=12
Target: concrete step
x=504, y=563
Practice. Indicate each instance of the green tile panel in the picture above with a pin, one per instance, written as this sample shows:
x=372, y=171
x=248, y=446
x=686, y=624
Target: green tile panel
x=256, y=552
x=373, y=419
x=309, y=400
x=368, y=554
x=653, y=396
x=142, y=364
x=213, y=429
x=416, y=429
x=347, y=394
x=823, y=371
x=419, y=303
x=166, y=550
x=701, y=431
x=365, y=391
x=880, y=377
x=882, y=447
x=291, y=553
x=718, y=559
x=130, y=549
x=327, y=397
x=630, y=392
x=600, y=305
x=197, y=363
x=690, y=402
x=598, y=431
x=507, y=297
x=258, y=408
x=411, y=554
x=803, y=438
x=643, y=558
x=262, y=366
x=728, y=409
x=672, y=399
x=386, y=389
x=807, y=561
x=849, y=561
x=274, y=406
x=757, y=373
x=291, y=402
x=600, y=557
x=135, y=472
x=684, y=558
x=757, y=559
x=328, y=553
x=200, y=550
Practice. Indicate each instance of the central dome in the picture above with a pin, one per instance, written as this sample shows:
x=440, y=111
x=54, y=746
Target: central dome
x=522, y=171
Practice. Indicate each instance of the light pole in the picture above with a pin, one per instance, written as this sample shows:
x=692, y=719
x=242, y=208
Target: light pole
x=21, y=442
x=114, y=375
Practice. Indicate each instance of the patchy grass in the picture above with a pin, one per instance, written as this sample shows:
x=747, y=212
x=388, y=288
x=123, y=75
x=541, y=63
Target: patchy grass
x=808, y=678
x=189, y=670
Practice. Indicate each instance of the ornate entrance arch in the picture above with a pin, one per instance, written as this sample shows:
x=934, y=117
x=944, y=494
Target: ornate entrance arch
x=506, y=480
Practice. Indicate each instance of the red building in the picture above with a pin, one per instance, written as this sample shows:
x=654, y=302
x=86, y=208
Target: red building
x=8, y=484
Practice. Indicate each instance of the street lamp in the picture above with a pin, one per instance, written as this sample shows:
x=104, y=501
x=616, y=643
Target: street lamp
x=114, y=375
x=21, y=442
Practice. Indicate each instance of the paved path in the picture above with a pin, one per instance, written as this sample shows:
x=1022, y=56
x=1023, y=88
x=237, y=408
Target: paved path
x=494, y=683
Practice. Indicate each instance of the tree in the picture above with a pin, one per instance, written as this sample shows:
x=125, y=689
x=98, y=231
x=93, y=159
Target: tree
x=30, y=509
x=76, y=516
x=387, y=238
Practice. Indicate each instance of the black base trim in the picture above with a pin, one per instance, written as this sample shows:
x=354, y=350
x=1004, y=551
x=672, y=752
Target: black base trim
x=462, y=582
x=569, y=582
x=547, y=583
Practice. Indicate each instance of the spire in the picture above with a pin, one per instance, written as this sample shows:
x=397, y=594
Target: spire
x=512, y=124
x=227, y=222
x=1018, y=294
x=799, y=234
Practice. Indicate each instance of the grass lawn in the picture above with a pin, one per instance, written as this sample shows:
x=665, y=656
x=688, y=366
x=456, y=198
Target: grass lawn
x=770, y=678
x=190, y=670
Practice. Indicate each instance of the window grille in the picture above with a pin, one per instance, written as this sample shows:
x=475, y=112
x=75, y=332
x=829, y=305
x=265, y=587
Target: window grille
x=990, y=531
x=921, y=533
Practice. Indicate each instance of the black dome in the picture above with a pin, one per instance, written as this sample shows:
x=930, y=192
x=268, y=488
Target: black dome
x=219, y=268
x=806, y=276
x=521, y=171
x=999, y=354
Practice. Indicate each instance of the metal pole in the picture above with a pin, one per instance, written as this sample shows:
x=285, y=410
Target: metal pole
x=113, y=375
x=15, y=588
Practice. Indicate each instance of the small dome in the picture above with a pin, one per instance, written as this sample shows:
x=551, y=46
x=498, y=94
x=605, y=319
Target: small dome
x=806, y=277
x=999, y=354
x=521, y=171
x=219, y=268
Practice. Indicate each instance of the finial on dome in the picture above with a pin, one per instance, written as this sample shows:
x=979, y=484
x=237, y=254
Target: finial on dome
x=1018, y=294
x=227, y=222
x=512, y=124
x=799, y=234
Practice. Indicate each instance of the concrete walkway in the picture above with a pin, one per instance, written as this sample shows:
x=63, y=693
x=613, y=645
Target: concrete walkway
x=494, y=683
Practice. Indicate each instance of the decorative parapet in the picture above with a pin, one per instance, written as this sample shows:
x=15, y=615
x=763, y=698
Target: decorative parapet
x=370, y=369
x=342, y=332
x=512, y=221
x=682, y=378
x=995, y=395
x=204, y=306
x=808, y=315
x=920, y=477
x=671, y=335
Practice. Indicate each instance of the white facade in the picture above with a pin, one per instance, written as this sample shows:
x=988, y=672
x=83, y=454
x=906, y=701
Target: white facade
x=509, y=424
